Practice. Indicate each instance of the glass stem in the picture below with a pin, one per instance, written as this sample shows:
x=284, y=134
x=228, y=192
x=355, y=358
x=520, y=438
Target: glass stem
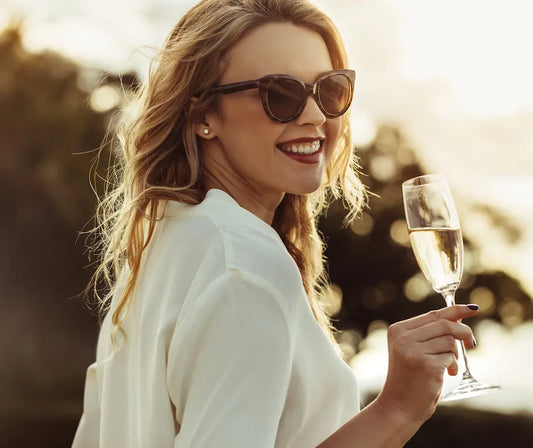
x=449, y=296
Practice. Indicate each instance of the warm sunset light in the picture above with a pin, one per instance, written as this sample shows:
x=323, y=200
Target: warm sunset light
x=441, y=87
x=482, y=53
x=457, y=77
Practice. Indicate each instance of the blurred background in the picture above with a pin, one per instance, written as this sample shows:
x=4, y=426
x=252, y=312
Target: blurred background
x=441, y=87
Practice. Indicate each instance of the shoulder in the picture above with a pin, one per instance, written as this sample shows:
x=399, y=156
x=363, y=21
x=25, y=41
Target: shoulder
x=245, y=294
x=184, y=238
x=238, y=310
x=230, y=236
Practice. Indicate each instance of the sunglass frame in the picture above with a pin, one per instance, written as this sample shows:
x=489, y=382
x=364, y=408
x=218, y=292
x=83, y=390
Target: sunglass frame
x=310, y=90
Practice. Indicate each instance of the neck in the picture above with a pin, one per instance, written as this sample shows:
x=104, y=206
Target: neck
x=260, y=205
x=218, y=173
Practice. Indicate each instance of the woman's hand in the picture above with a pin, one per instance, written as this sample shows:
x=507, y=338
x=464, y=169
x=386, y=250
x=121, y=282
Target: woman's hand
x=421, y=349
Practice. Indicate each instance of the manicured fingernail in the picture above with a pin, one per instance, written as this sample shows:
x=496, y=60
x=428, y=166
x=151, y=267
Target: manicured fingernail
x=473, y=307
x=474, y=341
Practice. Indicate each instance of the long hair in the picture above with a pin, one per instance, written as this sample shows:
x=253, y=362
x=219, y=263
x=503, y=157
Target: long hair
x=160, y=155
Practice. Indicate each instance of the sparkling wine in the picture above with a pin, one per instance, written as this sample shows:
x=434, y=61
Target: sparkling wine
x=439, y=253
x=436, y=238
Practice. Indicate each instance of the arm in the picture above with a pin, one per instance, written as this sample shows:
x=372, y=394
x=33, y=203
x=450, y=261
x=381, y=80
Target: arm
x=229, y=365
x=420, y=351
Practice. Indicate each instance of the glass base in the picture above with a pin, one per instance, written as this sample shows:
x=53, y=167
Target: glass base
x=469, y=387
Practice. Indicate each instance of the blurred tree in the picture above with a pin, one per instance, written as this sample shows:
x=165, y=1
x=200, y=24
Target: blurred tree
x=45, y=121
x=49, y=134
x=373, y=264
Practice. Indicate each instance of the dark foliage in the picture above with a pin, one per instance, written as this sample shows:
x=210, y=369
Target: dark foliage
x=372, y=260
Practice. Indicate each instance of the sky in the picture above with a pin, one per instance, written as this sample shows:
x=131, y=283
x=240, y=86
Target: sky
x=456, y=76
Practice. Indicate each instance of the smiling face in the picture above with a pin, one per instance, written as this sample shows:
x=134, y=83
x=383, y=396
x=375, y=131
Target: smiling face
x=253, y=158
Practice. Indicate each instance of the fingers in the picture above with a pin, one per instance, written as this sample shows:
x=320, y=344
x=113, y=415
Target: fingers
x=441, y=328
x=451, y=313
x=449, y=361
x=420, y=350
x=440, y=345
x=433, y=365
x=457, y=312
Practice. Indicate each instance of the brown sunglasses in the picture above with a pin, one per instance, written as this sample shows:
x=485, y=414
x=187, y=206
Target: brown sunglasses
x=284, y=97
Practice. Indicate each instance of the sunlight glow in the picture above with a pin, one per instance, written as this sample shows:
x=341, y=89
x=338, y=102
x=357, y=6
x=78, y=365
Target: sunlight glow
x=417, y=288
x=4, y=18
x=363, y=225
x=383, y=167
x=398, y=233
x=456, y=76
x=348, y=340
x=511, y=312
x=487, y=61
x=484, y=298
x=364, y=129
x=332, y=300
x=80, y=40
x=104, y=98
x=513, y=375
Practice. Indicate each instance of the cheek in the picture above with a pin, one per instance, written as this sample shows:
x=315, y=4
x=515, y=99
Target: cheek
x=334, y=125
x=243, y=108
x=333, y=134
x=245, y=126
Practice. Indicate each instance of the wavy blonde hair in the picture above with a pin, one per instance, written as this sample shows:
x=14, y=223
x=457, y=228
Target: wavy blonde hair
x=160, y=156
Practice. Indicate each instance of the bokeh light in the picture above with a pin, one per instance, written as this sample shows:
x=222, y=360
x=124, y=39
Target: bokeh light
x=362, y=226
x=399, y=234
x=484, y=298
x=105, y=98
x=417, y=288
x=511, y=312
x=383, y=167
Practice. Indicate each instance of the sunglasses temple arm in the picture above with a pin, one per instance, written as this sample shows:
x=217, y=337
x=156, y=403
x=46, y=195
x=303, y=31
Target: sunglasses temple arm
x=235, y=87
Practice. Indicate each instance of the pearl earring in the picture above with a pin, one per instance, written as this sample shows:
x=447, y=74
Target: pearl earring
x=206, y=131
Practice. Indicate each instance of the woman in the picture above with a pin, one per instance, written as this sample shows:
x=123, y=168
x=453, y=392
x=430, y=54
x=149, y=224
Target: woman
x=214, y=336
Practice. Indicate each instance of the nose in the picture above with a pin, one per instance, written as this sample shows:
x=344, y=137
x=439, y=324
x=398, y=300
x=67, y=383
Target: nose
x=311, y=114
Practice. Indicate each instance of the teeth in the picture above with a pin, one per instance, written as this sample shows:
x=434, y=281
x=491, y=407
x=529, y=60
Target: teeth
x=302, y=148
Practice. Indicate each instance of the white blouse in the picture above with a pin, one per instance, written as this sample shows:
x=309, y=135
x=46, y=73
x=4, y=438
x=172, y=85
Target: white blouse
x=221, y=349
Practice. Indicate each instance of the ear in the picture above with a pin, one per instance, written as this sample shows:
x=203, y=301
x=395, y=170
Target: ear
x=201, y=121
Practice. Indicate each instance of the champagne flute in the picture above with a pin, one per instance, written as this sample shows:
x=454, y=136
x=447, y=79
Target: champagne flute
x=437, y=242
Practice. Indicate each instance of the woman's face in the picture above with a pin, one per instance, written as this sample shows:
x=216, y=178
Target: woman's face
x=246, y=153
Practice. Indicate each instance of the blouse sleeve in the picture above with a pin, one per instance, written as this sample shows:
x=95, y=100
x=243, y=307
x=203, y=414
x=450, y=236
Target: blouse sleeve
x=229, y=365
x=88, y=431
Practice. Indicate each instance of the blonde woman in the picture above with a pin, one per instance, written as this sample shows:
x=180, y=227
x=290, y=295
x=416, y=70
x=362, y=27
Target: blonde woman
x=214, y=336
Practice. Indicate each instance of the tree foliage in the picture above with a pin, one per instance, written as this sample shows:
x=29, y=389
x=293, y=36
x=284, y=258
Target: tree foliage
x=374, y=266
x=46, y=199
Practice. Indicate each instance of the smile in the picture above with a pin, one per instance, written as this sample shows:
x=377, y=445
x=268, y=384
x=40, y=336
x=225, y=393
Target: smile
x=303, y=150
x=309, y=147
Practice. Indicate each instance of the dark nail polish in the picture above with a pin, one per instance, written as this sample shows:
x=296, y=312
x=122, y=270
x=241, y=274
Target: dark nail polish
x=473, y=307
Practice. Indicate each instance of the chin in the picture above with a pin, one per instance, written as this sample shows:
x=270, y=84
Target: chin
x=306, y=188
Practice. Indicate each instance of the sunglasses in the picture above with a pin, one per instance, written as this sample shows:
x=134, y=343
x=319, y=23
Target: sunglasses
x=284, y=97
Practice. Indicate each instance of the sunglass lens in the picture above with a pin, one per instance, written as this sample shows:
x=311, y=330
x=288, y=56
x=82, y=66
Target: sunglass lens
x=284, y=98
x=335, y=93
